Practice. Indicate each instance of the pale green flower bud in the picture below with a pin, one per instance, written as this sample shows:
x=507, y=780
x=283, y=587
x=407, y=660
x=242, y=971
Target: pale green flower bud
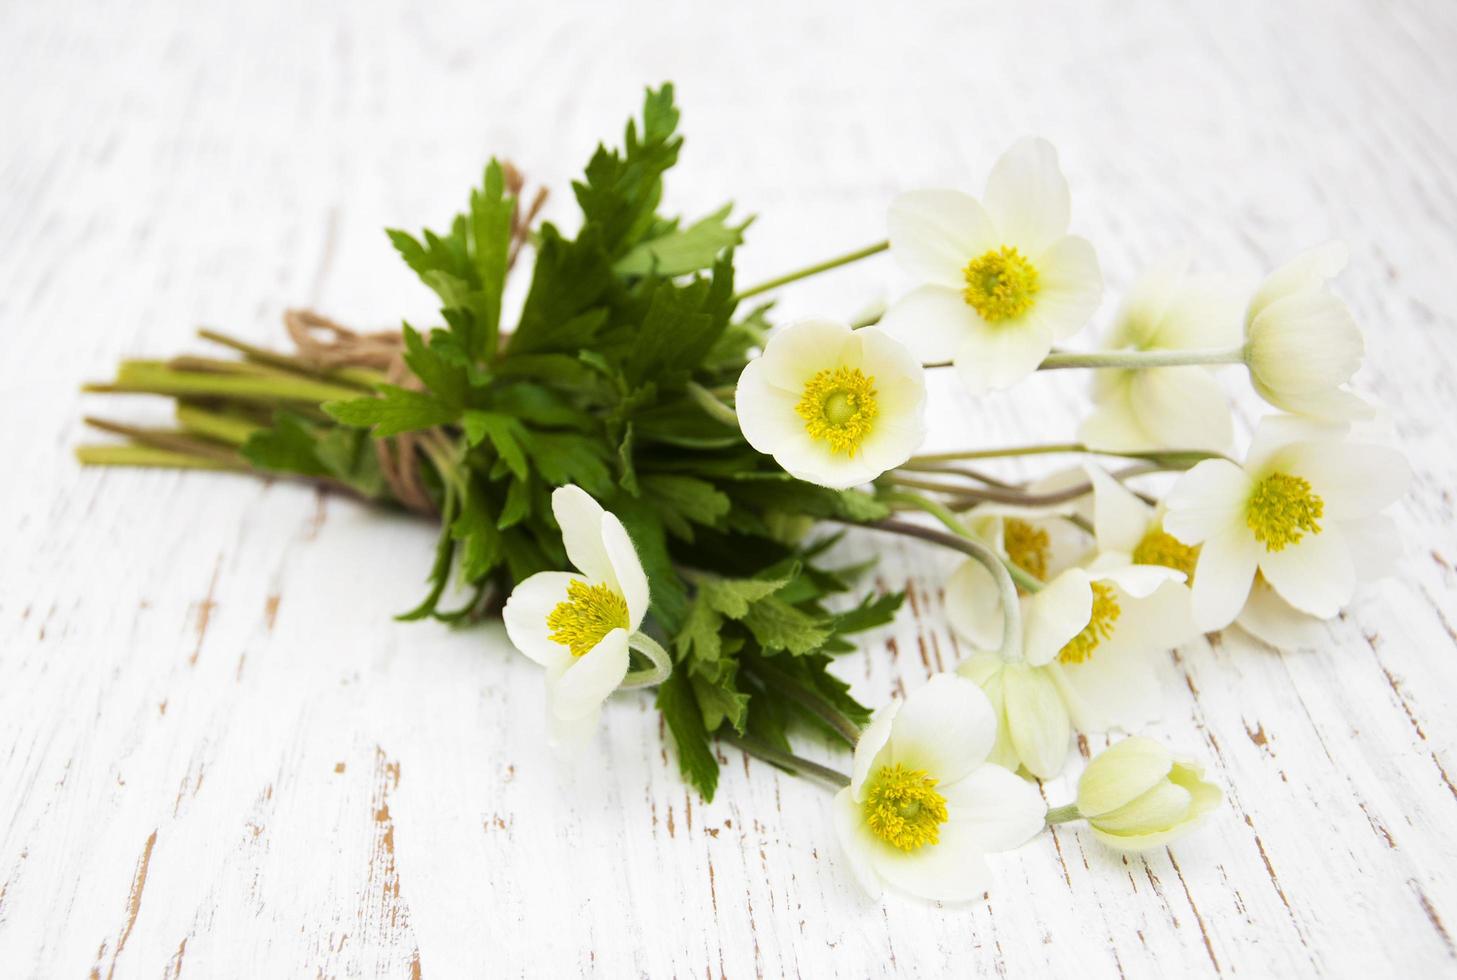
x=1137, y=795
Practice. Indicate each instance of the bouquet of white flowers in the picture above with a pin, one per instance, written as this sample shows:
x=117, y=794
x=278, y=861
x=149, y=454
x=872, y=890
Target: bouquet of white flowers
x=634, y=473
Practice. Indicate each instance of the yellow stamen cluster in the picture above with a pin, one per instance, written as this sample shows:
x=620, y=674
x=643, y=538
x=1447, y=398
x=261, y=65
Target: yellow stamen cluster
x=1027, y=545
x=1159, y=547
x=1100, y=626
x=1000, y=284
x=838, y=407
x=589, y=613
x=1282, y=509
x=903, y=808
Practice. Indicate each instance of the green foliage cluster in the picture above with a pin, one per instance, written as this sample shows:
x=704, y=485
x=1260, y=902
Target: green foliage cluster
x=592, y=387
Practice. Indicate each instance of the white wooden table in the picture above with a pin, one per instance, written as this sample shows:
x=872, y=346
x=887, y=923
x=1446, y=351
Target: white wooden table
x=219, y=756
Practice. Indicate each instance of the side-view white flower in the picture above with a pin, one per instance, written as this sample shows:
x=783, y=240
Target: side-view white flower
x=1169, y=407
x=578, y=625
x=1003, y=280
x=1136, y=794
x=1301, y=343
x=924, y=807
x=1286, y=514
x=1089, y=646
x=833, y=406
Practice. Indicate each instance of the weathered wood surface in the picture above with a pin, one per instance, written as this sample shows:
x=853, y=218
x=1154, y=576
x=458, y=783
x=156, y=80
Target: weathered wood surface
x=220, y=757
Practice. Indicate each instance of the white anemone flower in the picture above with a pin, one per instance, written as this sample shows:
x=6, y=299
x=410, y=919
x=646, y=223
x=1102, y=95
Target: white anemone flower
x=1289, y=515
x=833, y=406
x=924, y=807
x=1138, y=795
x=1090, y=641
x=1139, y=410
x=1301, y=343
x=579, y=625
x=1002, y=279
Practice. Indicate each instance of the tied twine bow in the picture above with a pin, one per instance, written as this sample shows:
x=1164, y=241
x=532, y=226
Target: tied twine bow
x=329, y=345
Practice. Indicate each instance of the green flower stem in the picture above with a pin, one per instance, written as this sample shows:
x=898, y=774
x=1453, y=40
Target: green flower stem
x=652, y=676
x=1168, y=458
x=1062, y=814
x=817, y=705
x=362, y=378
x=148, y=456
x=812, y=270
x=948, y=517
x=961, y=541
x=787, y=761
x=707, y=401
x=141, y=377
x=171, y=441
x=1137, y=359
x=215, y=425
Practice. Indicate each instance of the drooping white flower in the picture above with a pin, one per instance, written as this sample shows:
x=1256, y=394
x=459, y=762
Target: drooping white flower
x=833, y=406
x=577, y=624
x=1002, y=278
x=1090, y=642
x=1136, y=794
x=1286, y=514
x=1302, y=345
x=1138, y=410
x=924, y=807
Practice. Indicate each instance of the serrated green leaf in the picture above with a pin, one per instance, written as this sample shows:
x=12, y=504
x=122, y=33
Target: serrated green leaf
x=733, y=597
x=505, y=434
x=779, y=626
x=287, y=447
x=396, y=410
x=719, y=698
x=683, y=250
x=701, y=637
x=685, y=720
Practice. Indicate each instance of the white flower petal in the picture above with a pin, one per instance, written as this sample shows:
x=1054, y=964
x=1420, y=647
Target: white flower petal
x=569, y=735
x=800, y=349
x=1027, y=196
x=587, y=682
x=995, y=357
x=1120, y=519
x=1272, y=620
x=974, y=605
x=1006, y=809
x=953, y=870
x=1308, y=270
x=857, y=843
x=986, y=670
x=1275, y=434
x=933, y=321
x=580, y=518
x=1037, y=720
x=1207, y=501
x=1121, y=773
x=1352, y=480
x=627, y=568
x=1222, y=577
x=935, y=233
x=1139, y=316
x=1181, y=408
x=1070, y=286
x=1315, y=575
x=1139, y=581
x=1056, y=614
x=1117, y=687
x=1112, y=424
x=525, y=613
x=946, y=727
x=873, y=741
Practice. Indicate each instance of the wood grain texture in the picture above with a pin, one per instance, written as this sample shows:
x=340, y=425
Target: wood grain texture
x=219, y=756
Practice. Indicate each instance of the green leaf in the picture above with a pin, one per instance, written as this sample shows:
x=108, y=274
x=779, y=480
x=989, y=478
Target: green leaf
x=287, y=447
x=561, y=312
x=685, y=500
x=518, y=504
x=490, y=212
x=685, y=720
x=779, y=626
x=719, y=698
x=440, y=569
x=505, y=434
x=480, y=539
x=568, y=457
x=621, y=191
x=445, y=380
x=396, y=410
x=873, y=611
x=683, y=250
x=733, y=597
x=701, y=638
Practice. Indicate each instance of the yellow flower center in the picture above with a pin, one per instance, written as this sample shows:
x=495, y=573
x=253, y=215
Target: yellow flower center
x=1100, y=626
x=1027, y=545
x=903, y=808
x=838, y=407
x=1281, y=509
x=589, y=613
x=1000, y=285
x=1159, y=547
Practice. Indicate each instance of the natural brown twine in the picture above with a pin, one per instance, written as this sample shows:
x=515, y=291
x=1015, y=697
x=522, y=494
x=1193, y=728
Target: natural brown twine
x=328, y=345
